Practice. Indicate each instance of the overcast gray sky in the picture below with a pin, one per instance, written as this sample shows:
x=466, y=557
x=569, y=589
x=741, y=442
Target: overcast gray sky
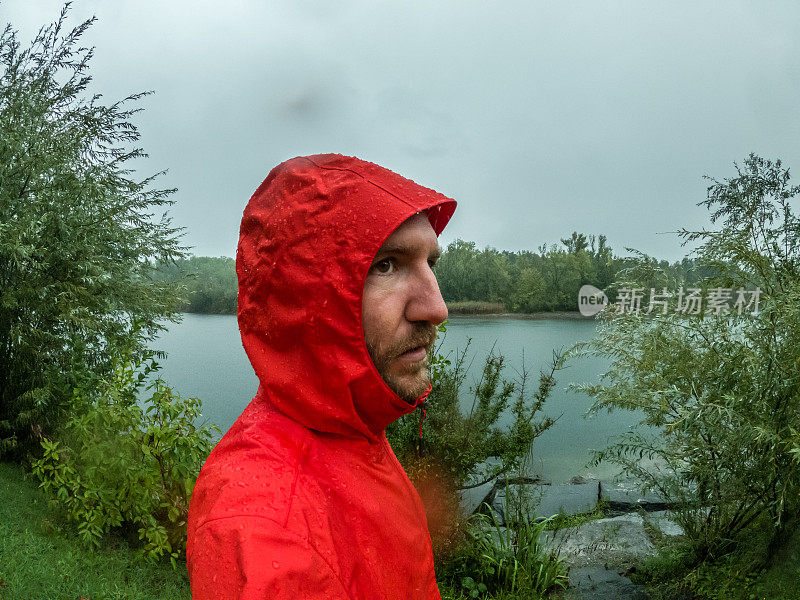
x=540, y=118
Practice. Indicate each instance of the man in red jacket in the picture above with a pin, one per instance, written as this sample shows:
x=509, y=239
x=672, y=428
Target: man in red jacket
x=303, y=498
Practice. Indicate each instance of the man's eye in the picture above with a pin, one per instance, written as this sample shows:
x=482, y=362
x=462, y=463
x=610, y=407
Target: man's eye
x=384, y=266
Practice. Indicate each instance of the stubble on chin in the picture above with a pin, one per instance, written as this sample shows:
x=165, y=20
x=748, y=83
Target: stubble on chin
x=412, y=381
x=408, y=388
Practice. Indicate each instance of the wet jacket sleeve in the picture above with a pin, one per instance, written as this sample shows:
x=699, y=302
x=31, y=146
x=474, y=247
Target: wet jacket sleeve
x=249, y=558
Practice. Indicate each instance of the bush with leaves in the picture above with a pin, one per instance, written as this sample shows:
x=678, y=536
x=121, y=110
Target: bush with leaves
x=122, y=463
x=78, y=233
x=458, y=451
x=471, y=449
x=722, y=391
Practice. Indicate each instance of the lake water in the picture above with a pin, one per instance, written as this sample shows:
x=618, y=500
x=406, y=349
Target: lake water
x=206, y=360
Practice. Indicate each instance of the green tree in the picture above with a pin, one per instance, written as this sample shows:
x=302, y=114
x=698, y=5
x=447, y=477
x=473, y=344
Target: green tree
x=722, y=390
x=603, y=261
x=575, y=243
x=529, y=294
x=562, y=276
x=456, y=271
x=78, y=231
x=492, y=280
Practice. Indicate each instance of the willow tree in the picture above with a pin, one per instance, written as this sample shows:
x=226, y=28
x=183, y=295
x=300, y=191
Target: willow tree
x=719, y=381
x=78, y=230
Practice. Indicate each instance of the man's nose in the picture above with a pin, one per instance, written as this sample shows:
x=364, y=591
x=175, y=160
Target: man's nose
x=426, y=302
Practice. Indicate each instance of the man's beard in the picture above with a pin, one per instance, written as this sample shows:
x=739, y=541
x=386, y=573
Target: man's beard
x=398, y=380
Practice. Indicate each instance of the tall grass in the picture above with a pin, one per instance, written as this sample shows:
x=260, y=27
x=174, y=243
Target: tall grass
x=497, y=561
x=514, y=557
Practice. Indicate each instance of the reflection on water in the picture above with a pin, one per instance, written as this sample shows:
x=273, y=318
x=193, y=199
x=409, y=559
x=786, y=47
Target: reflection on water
x=206, y=359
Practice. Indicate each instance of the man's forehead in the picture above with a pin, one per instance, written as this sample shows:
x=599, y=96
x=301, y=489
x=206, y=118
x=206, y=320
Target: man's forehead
x=415, y=234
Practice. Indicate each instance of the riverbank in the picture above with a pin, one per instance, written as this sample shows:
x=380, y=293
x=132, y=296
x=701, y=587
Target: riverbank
x=540, y=316
x=496, y=310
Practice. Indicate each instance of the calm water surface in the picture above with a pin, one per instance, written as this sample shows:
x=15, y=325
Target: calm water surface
x=206, y=360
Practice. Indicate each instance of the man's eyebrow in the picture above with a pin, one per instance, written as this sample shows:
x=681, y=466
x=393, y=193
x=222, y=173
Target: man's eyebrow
x=405, y=250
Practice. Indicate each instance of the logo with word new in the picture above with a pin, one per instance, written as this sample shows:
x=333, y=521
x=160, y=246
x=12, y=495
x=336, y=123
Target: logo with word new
x=591, y=300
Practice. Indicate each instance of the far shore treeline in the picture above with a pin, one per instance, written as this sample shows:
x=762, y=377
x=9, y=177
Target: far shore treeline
x=471, y=280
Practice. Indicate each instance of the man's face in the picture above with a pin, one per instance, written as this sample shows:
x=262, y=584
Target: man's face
x=402, y=306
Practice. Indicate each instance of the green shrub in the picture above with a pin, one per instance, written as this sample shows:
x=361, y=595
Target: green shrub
x=40, y=559
x=675, y=572
x=471, y=449
x=458, y=450
x=118, y=464
x=720, y=391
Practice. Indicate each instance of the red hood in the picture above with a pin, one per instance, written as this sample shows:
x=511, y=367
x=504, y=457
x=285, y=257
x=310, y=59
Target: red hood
x=308, y=237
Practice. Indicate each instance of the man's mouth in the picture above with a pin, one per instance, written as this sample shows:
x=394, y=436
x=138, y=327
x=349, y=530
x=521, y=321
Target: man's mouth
x=414, y=354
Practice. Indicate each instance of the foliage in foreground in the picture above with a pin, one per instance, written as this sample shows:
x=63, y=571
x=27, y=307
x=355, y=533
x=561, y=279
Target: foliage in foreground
x=472, y=449
x=77, y=232
x=459, y=451
x=40, y=558
x=722, y=390
x=119, y=465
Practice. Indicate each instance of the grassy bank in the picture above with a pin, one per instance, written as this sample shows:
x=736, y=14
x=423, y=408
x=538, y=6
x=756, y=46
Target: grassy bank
x=475, y=308
x=41, y=559
x=495, y=309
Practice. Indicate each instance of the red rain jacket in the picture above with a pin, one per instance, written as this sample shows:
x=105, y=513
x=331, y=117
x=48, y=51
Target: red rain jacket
x=303, y=497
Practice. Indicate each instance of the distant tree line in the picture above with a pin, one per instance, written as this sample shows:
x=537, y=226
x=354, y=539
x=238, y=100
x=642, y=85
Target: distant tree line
x=520, y=282
x=209, y=283
x=542, y=281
